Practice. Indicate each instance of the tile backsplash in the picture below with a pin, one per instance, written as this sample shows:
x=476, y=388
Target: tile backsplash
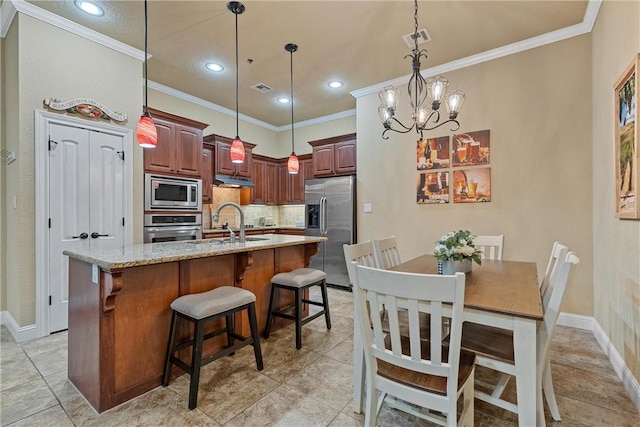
x=283, y=215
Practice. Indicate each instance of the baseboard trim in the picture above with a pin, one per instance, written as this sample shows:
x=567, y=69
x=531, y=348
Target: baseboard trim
x=591, y=324
x=20, y=333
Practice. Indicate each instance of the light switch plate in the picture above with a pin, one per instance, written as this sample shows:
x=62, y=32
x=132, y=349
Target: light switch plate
x=368, y=207
x=94, y=273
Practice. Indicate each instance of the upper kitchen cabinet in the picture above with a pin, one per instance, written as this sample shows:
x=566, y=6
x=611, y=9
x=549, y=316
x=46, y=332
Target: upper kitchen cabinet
x=334, y=156
x=179, y=149
x=291, y=187
x=224, y=166
x=265, y=181
x=208, y=163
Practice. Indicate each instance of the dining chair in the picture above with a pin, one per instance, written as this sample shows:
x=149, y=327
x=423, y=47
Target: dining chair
x=363, y=254
x=491, y=246
x=423, y=378
x=387, y=252
x=494, y=347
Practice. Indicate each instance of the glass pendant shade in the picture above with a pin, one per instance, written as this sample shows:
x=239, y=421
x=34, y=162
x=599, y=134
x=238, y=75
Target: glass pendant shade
x=437, y=88
x=389, y=97
x=454, y=103
x=293, y=166
x=421, y=117
x=146, y=132
x=237, y=151
x=384, y=114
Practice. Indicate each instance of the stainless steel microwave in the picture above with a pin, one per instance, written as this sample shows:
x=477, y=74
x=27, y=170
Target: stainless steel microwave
x=171, y=193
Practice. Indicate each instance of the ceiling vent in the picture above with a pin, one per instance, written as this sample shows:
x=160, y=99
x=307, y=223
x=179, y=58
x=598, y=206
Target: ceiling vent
x=262, y=88
x=423, y=37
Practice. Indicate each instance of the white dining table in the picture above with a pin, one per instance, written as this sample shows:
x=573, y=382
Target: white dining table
x=503, y=294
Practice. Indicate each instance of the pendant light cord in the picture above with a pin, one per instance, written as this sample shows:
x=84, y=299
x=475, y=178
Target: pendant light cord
x=237, y=77
x=292, y=143
x=146, y=100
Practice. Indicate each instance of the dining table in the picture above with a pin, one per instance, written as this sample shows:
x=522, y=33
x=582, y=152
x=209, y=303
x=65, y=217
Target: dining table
x=502, y=294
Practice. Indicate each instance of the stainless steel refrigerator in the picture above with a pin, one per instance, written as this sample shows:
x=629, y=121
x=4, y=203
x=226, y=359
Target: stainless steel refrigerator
x=330, y=205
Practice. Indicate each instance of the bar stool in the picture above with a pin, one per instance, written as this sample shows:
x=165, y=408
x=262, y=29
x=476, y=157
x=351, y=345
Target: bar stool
x=199, y=309
x=297, y=281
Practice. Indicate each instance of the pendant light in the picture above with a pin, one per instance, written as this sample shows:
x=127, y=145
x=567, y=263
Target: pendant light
x=237, y=147
x=292, y=164
x=146, y=132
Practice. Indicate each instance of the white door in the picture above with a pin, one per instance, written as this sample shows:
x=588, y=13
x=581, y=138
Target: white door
x=86, y=204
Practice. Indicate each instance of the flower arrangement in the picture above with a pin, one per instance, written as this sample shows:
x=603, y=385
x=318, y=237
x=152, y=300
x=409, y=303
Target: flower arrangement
x=457, y=246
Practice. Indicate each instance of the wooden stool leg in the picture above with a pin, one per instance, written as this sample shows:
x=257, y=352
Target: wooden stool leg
x=267, y=330
x=230, y=330
x=298, y=296
x=325, y=301
x=196, y=361
x=170, y=349
x=255, y=334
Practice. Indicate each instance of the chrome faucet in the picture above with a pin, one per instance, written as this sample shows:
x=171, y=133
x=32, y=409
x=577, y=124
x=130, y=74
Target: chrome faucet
x=216, y=217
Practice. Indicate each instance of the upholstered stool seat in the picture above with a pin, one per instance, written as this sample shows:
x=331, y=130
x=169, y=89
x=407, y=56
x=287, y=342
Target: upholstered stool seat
x=297, y=281
x=199, y=309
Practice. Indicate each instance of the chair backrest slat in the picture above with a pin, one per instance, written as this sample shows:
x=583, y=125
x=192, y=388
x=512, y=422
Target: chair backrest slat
x=558, y=253
x=362, y=253
x=387, y=252
x=491, y=246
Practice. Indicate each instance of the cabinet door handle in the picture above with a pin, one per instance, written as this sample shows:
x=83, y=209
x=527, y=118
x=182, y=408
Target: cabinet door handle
x=81, y=236
x=95, y=235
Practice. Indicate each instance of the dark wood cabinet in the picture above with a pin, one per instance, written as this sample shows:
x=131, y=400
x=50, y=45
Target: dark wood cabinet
x=179, y=149
x=271, y=183
x=223, y=164
x=291, y=187
x=258, y=193
x=208, y=153
x=334, y=156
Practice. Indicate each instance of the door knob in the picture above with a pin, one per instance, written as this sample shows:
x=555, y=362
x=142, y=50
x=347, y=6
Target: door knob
x=95, y=235
x=81, y=236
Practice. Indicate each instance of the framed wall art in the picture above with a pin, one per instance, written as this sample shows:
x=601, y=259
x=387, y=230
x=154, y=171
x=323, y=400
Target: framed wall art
x=471, y=149
x=626, y=143
x=471, y=185
x=432, y=187
x=432, y=153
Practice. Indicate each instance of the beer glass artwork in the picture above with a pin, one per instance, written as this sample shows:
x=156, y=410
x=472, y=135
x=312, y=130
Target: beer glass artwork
x=462, y=153
x=473, y=186
x=433, y=184
x=474, y=151
x=433, y=149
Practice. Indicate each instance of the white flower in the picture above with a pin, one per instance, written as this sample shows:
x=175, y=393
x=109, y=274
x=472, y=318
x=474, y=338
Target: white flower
x=466, y=250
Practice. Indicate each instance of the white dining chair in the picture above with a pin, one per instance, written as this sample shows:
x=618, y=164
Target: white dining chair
x=491, y=246
x=406, y=371
x=494, y=347
x=363, y=254
x=387, y=252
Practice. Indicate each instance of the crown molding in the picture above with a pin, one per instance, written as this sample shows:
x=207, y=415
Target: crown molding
x=319, y=120
x=584, y=27
x=10, y=7
x=210, y=105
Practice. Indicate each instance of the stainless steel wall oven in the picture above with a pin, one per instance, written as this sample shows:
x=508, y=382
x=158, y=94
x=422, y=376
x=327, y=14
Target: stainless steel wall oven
x=172, y=227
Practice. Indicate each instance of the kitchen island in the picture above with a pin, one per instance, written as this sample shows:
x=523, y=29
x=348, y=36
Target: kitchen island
x=119, y=304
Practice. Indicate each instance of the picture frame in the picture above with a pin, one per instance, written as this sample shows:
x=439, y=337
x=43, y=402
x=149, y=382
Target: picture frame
x=627, y=154
x=471, y=185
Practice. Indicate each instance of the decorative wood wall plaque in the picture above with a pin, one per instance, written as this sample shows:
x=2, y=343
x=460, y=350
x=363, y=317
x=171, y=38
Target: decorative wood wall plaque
x=86, y=107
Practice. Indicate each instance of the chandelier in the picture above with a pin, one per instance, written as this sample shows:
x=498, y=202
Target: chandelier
x=425, y=97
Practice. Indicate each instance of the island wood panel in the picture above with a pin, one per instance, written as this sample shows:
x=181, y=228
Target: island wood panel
x=197, y=276
x=139, y=327
x=84, y=332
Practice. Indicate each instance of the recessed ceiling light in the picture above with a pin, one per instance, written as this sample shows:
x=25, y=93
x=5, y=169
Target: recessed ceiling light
x=214, y=67
x=89, y=7
x=335, y=84
x=284, y=100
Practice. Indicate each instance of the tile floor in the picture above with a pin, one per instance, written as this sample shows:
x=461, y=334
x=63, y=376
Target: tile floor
x=311, y=386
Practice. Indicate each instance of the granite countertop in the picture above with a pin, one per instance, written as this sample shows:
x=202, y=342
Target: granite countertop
x=157, y=253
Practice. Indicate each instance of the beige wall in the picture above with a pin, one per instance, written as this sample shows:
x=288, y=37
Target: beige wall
x=55, y=63
x=616, y=271
x=537, y=105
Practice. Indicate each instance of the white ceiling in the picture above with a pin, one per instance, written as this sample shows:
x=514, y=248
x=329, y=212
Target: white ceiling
x=358, y=42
